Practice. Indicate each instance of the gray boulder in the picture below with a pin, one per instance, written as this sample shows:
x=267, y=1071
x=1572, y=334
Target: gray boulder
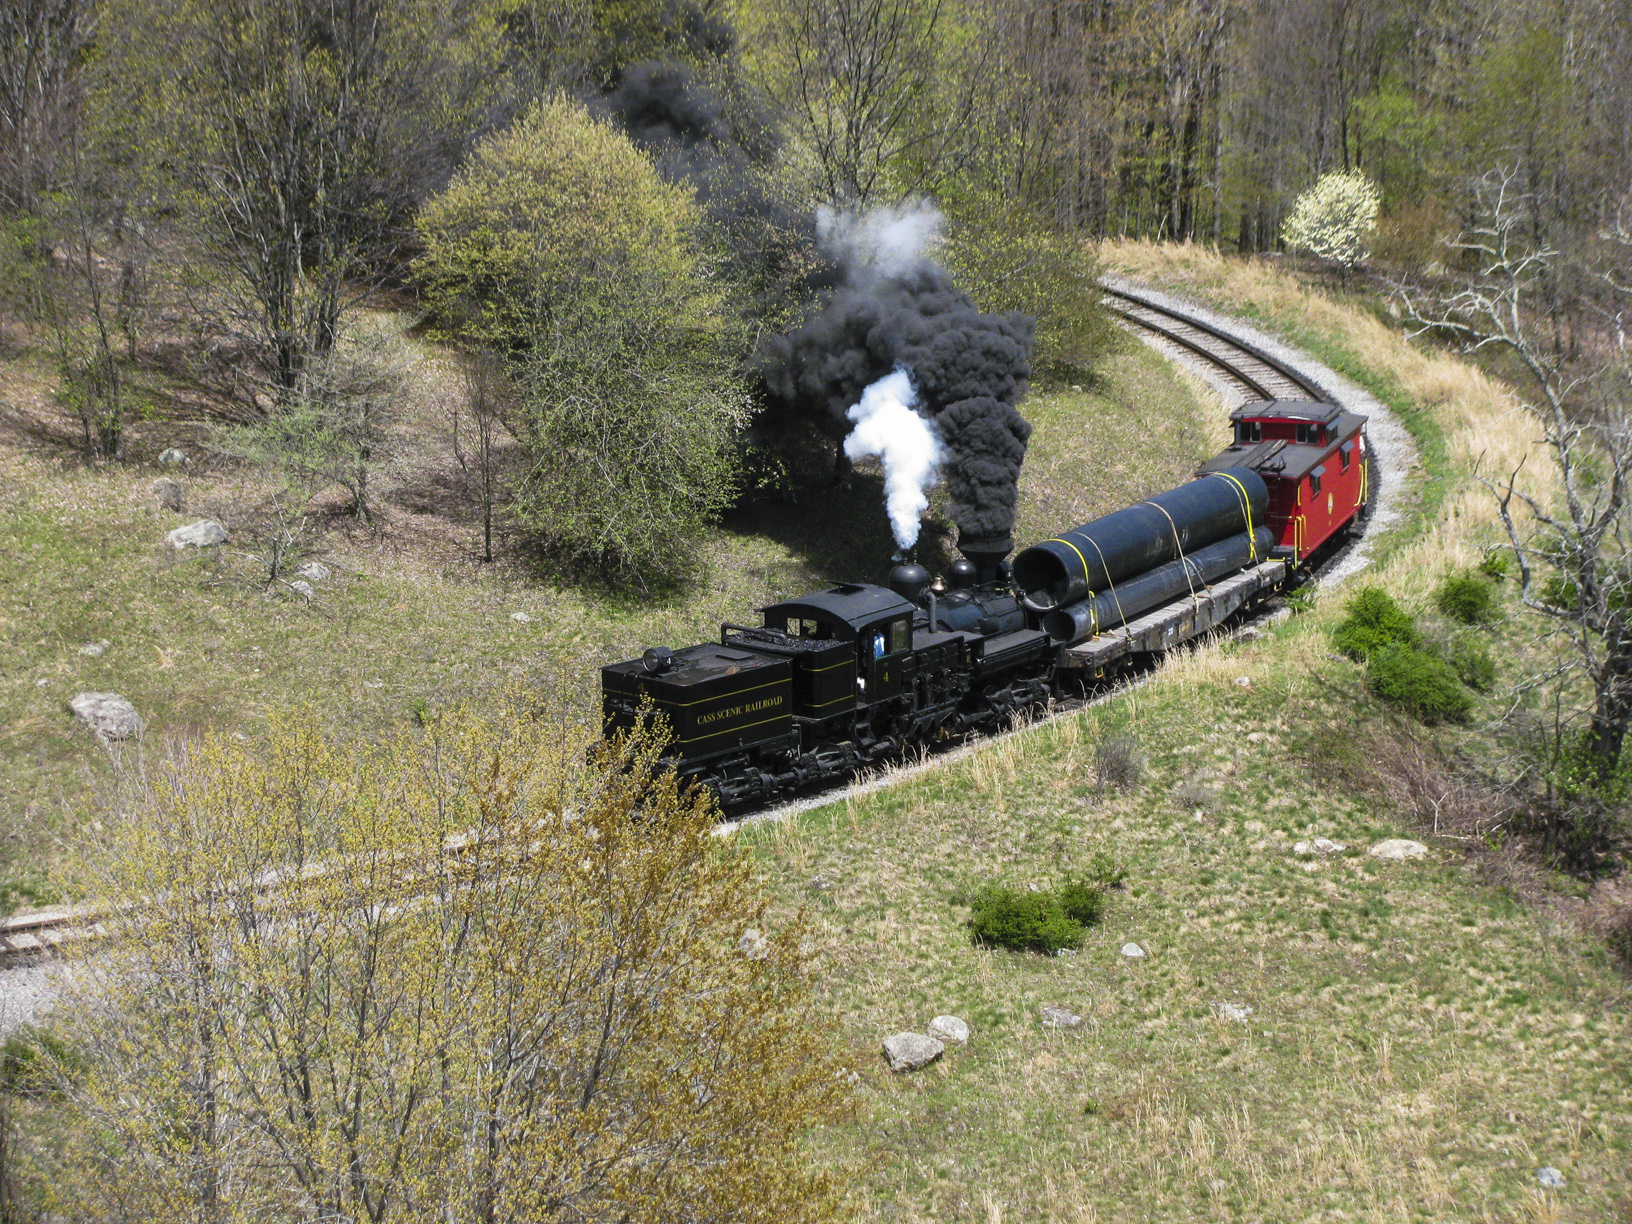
x=303, y=588
x=1550, y=1178
x=109, y=715
x=1321, y=846
x=95, y=650
x=1133, y=951
x=949, y=1029
x=911, y=1051
x=753, y=945
x=201, y=534
x=168, y=493
x=1398, y=849
x=313, y=571
x=172, y=458
x=1237, y=1012
x=1060, y=1018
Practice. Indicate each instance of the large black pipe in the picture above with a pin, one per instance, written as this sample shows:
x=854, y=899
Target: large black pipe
x=1141, y=593
x=1092, y=557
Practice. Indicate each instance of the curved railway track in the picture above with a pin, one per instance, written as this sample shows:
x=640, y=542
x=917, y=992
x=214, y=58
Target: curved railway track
x=30, y=937
x=1260, y=376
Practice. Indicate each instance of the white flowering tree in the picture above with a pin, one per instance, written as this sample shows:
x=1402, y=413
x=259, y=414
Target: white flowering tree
x=1335, y=218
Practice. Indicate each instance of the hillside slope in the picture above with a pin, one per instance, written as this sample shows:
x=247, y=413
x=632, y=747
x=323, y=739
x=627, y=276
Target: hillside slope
x=1417, y=1038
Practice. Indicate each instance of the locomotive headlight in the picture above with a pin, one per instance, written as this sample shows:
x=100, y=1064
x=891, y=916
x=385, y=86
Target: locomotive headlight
x=657, y=660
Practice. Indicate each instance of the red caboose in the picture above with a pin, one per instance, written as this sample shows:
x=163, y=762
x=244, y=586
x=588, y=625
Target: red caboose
x=1313, y=458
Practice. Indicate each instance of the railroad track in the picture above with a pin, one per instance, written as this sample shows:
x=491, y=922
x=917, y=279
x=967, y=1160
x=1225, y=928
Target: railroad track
x=1255, y=372
x=31, y=937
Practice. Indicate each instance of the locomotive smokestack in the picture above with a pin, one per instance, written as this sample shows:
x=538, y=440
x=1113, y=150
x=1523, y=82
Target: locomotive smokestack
x=985, y=552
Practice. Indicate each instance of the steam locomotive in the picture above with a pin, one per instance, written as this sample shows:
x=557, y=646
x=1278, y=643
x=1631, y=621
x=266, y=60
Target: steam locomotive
x=854, y=674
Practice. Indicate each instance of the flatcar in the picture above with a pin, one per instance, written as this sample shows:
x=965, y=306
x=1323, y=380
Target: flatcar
x=858, y=673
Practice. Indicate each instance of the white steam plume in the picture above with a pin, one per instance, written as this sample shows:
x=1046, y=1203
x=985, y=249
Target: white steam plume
x=887, y=426
x=892, y=239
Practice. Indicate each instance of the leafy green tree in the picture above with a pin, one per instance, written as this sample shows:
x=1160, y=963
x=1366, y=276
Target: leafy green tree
x=1010, y=258
x=560, y=247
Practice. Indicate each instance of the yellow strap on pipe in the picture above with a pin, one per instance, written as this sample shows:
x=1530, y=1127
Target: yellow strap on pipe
x=1246, y=509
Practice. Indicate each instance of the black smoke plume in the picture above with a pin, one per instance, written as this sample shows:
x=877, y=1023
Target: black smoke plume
x=704, y=126
x=895, y=306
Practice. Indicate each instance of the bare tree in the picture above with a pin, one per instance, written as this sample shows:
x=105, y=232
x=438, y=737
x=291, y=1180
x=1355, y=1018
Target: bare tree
x=1574, y=547
x=41, y=45
x=484, y=383
x=880, y=92
x=299, y=135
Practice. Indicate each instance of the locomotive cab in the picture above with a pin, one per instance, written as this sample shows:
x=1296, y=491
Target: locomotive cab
x=856, y=638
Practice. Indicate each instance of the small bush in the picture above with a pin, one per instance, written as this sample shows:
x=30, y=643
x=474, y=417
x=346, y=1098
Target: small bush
x=1116, y=763
x=1374, y=621
x=1496, y=565
x=1473, y=665
x=1467, y=597
x=1083, y=902
x=1022, y=921
x=1104, y=871
x=1419, y=683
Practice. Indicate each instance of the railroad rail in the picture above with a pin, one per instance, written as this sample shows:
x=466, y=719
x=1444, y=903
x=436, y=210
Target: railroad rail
x=1260, y=376
x=30, y=937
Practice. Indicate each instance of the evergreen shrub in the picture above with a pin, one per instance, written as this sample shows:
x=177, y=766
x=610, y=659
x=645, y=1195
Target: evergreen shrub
x=1022, y=921
x=1468, y=597
x=1374, y=621
x=1421, y=684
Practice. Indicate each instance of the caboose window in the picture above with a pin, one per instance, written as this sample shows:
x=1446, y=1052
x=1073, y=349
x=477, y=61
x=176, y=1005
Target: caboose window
x=1249, y=431
x=1310, y=433
x=1314, y=478
x=1346, y=452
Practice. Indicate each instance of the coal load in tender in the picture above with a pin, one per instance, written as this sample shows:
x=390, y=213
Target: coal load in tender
x=1090, y=558
x=1139, y=594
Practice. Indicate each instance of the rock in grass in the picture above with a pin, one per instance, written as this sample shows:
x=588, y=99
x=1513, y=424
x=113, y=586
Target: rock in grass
x=1059, y=1018
x=201, y=534
x=753, y=945
x=521, y=618
x=1397, y=849
x=1133, y=951
x=1237, y=1012
x=168, y=493
x=911, y=1051
x=172, y=457
x=1321, y=845
x=1550, y=1178
x=303, y=588
x=109, y=715
x=949, y=1029
x=313, y=571
x=95, y=650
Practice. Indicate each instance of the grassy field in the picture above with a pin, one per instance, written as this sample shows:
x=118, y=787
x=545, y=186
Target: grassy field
x=409, y=619
x=1423, y=1036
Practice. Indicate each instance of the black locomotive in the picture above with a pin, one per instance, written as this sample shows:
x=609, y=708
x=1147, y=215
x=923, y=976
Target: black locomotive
x=854, y=674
